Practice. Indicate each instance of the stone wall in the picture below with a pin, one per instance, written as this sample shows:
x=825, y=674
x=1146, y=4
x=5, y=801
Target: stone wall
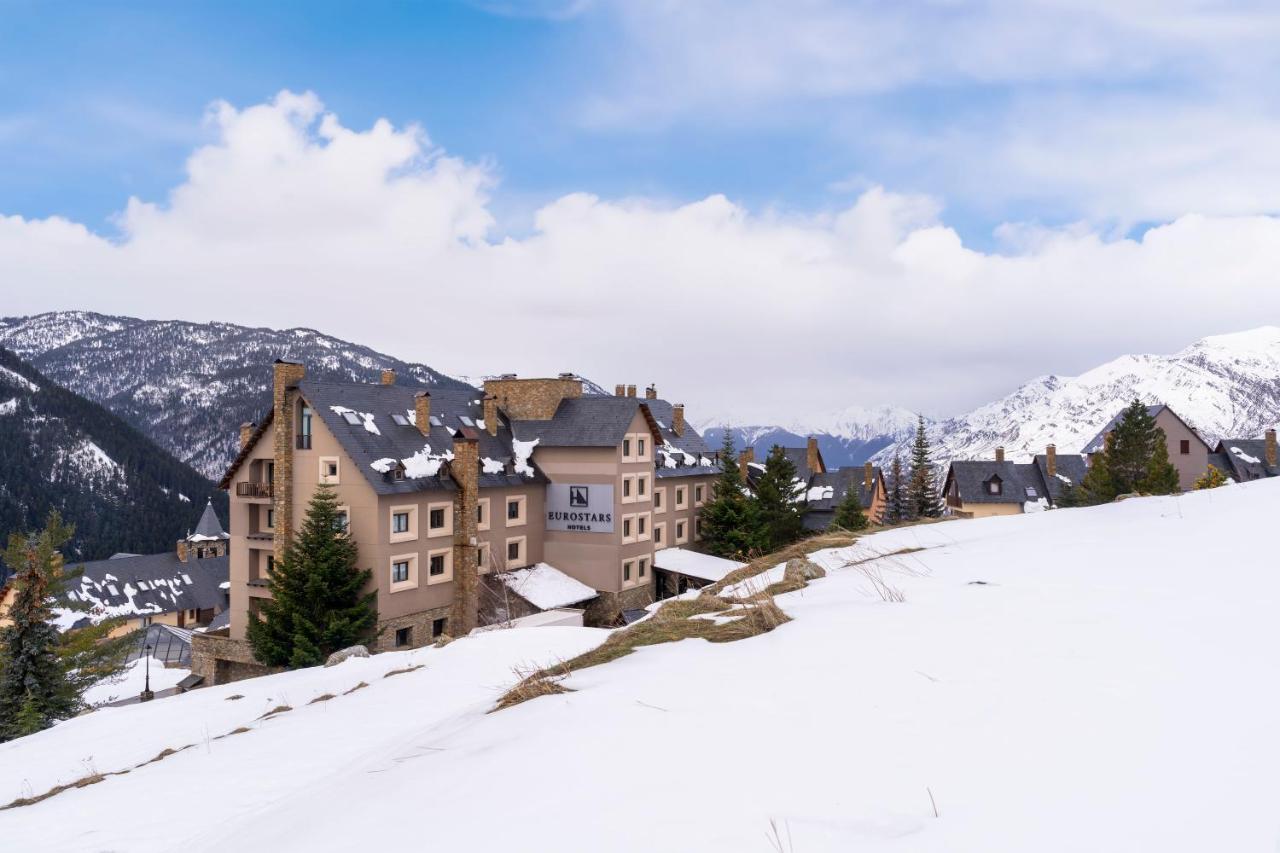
x=606, y=609
x=464, y=468
x=419, y=622
x=532, y=399
x=286, y=378
x=220, y=660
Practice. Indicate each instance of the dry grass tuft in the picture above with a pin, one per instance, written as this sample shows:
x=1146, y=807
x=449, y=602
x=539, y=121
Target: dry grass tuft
x=402, y=670
x=323, y=697
x=279, y=709
x=359, y=686
x=234, y=697
x=530, y=684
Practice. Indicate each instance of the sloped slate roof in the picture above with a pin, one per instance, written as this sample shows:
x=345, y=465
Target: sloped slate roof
x=691, y=443
x=1072, y=466
x=209, y=526
x=1246, y=458
x=1016, y=478
x=840, y=481
x=592, y=421
x=403, y=442
x=150, y=584
x=799, y=457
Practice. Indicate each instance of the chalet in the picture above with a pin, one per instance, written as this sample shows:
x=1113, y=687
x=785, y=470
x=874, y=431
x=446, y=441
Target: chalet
x=821, y=489
x=1188, y=452
x=975, y=489
x=1245, y=459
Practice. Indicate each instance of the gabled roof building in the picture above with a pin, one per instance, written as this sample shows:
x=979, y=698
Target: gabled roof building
x=1188, y=451
x=1245, y=459
x=822, y=490
x=979, y=488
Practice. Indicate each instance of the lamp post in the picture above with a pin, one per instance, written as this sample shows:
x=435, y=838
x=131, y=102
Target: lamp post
x=147, y=693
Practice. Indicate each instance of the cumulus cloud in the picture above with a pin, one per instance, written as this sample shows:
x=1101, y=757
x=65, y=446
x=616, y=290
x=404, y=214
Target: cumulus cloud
x=290, y=218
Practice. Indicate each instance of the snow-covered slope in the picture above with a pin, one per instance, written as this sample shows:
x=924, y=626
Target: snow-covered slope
x=188, y=386
x=1224, y=386
x=1106, y=687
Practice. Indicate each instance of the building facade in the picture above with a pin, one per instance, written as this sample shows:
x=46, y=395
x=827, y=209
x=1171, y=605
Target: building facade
x=441, y=488
x=982, y=488
x=1188, y=452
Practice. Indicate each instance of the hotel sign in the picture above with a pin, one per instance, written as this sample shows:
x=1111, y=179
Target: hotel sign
x=586, y=508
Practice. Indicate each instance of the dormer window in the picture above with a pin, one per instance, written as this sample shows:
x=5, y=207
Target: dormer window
x=1031, y=492
x=994, y=486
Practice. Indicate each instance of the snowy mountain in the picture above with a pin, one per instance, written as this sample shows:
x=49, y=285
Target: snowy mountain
x=849, y=436
x=1224, y=385
x=61, y=451
x=1060, y=681
x=188, y=386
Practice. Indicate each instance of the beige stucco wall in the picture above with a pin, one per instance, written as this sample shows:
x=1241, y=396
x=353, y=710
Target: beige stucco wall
x=1191, y=464
x=976, y=510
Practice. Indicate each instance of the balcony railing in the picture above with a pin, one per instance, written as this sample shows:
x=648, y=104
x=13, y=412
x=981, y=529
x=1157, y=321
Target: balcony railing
x=304, y=442
x=254, y=490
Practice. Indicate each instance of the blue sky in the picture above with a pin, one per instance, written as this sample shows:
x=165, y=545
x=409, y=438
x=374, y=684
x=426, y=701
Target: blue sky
x=874, y=159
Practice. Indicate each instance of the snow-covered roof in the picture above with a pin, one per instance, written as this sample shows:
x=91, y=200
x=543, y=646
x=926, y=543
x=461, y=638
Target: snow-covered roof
x=546, y=587
x=691, y=563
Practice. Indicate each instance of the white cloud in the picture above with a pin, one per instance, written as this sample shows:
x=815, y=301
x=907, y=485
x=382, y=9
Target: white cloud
x=290, y=218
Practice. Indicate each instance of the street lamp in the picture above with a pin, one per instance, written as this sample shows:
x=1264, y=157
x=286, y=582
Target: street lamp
x=147, y=693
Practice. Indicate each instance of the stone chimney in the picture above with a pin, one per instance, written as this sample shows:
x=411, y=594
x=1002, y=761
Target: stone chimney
x=491, y=414
x=464, y=468
x=651, y=393
x=422, y=411
x=620, y=390
x=745, y=458
x=532, y=399
x=284, y=397
x=246, y=433
x=631, y=390
x=388, y=376
x=1270, y=447
x=183, y=553
x=812, y=457
x=1051, y=460
x=677, y=418
x=999, y=454
x=868, y=475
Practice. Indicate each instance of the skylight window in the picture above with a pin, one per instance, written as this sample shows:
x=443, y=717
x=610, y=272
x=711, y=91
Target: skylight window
x=351, y=418
x=434, y=421
x=400, y=420
x=466, y=421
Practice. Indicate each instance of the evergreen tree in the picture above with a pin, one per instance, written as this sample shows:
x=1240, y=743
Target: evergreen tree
x=896, y=507
x=849, y=514
x=1135, y=459
x=317, y=605
x=42, y=673
x=1212, y=478
x=730, y=527
x=1098, y=487
x=1161, y=478
x=777, y=506
x=922, y=491
x=1069, y=496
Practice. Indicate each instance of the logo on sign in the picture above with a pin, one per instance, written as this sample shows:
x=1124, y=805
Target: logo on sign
x=579, y=496
x=579, y=508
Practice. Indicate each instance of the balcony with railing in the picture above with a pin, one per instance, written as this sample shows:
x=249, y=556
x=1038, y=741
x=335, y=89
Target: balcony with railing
x=254, y=490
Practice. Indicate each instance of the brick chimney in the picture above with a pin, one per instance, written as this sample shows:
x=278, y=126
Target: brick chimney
x=868, y=475
x=631, y=390
x=677, y=418
x=1051, y=460
x=284, y=398
x=651, y=393
x=422, y=411
x=532, y=399
x=183, y=553
x=388, y=376
x=491, y=414
x=999, y=454
x=1270, y=447
x=620, y=390
x=464, y=468
x=745, y=458
x=812, y=457
x=246, y=433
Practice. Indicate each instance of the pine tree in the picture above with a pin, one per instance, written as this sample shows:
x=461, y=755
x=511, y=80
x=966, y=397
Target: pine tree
x=922, y=491
x=1160, y=478
x=317, y=605
x=896, y=508
x=849, y=514
x=36, y=687
x=777, y=507
x=730, y=527
x=1212, y=478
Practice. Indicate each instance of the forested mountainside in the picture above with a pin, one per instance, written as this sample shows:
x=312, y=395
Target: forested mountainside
x=61, y=451
x=189, y=386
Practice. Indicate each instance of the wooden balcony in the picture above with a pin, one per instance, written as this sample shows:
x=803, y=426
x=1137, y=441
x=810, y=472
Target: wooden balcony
x=254, y=490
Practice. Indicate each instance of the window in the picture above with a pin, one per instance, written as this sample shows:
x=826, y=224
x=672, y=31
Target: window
x=440, y=565
x=513, y=551
x=483, y=558
x=626, y=448
x=433, y=421
x=466, y=421
x=681, y=538
x=399, y=420
x=516, y=554
x=482, y=514
x=626, y=487
x=1031, y=491
x=400, y=522
x=351, y=418
x=271, y=563
x=271, y=518
x=660, y=499
x=515, y=511
x=342, y=521
x=628, y=528
x=642, y=487
x=304, y=428
x=697, y=529
x=397, y=473
x=659, y=534
x=437, y=518
x=200, y=553
x=697, y=495
x=1184, y=447
x=404, y=523
x=438, y=627
x=627, y=566
x=437, y=565
x=400, y=571
x=642, y=526
x=640, y=448
x=404, y=637
x=404, y=572
x=681, y=496
x=329, y=469
x=642, y=566
x=994, y=486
